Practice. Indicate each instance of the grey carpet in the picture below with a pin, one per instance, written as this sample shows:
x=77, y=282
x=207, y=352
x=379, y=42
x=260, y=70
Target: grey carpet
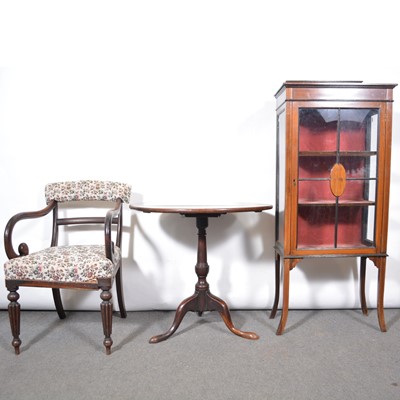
x=332, y=354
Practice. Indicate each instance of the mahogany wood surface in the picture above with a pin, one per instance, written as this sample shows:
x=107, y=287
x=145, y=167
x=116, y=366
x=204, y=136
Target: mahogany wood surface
x=201, y=209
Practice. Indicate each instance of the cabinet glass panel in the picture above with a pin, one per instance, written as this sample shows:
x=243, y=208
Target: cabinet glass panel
x=315, y=227
x=358, y=190
x=358, y=129
x=337, y=177
x=329, y=227
x=369, y=226
x=318, y=129
x=355, y=226
x=315, y=166
x=316, y=192
x=359, y=166
x=281, y=166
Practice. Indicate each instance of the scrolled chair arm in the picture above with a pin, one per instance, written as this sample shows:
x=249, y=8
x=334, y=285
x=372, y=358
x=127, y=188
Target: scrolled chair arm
x=110, y=216
x=23, y=248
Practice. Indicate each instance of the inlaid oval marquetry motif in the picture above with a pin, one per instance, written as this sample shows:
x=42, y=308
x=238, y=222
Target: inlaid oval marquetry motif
x=338, y=180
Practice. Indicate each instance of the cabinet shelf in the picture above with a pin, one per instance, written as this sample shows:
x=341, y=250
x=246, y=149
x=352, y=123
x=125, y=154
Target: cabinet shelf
x=341, y=203
x=335, y=153
x=328, y=179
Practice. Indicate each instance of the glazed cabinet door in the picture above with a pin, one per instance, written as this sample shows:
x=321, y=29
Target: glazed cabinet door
x=337, y=177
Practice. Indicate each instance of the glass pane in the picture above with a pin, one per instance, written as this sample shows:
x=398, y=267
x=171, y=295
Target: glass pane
x=281, y=154
x=315, y=167
x=358, y=129
x=369, y=226
x=315, y=191
x=358, y=166
x=315, y=227
x=373, y=128
x=358, y=190
x=370, y=190
x=318, y=129
x=355, y=226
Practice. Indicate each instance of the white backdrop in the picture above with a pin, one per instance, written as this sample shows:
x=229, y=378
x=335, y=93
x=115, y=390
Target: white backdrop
x=177, y=98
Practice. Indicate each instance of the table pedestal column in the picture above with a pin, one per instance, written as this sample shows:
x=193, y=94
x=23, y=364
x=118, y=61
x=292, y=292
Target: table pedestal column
x=202, y=299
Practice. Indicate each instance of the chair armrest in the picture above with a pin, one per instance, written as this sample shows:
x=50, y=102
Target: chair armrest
x=23, y=248
x=115, y=213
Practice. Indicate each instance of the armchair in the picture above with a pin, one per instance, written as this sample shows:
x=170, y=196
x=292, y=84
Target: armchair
x=90, y=267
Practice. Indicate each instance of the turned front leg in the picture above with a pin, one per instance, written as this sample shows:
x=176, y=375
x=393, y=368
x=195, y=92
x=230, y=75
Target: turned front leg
x=14, y=313
x=106, y=315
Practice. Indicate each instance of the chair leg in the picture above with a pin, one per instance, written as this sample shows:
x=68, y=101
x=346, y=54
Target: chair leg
x=14, y=312
x=58, y=303
x=120, y=294
x=106, y=315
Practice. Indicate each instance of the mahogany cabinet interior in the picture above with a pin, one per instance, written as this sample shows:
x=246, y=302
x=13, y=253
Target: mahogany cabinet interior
x=333, y=172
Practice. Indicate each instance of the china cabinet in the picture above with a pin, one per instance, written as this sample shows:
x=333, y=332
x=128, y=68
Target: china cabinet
x=333, y=173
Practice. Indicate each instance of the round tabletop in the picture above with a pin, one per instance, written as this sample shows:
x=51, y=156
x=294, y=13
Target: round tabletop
x=201, y=209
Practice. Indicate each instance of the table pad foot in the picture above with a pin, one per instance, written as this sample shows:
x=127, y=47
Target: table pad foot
x=200, y=302
x=220, y=305
x=238, y=332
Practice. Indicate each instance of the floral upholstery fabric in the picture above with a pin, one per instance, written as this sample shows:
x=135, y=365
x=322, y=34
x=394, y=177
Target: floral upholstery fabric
x=83, y=264
x=87, y=190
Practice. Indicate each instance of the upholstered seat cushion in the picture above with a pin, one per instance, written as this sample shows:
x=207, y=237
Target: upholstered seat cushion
x=63, y=264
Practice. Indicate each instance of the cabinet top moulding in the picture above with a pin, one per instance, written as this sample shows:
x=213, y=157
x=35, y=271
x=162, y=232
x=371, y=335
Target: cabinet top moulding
x=334, y=91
